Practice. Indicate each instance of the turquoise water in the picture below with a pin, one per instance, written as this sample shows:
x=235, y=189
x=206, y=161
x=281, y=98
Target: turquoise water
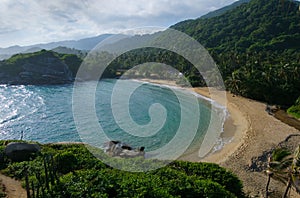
x=44, y=113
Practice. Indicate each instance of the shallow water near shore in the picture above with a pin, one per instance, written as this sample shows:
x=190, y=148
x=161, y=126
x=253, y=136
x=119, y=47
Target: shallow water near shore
x=44, y=114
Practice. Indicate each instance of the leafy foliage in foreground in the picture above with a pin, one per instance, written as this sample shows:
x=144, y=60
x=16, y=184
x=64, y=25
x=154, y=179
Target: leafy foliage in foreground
x=72, y=171
x=2, y=193
x=295, y=109
x=284, y=166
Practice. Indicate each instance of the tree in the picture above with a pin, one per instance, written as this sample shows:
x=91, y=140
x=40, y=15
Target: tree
x=285, y=167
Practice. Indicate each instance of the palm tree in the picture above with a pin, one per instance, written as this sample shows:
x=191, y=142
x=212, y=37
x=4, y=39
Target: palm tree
x=278, y=164
x=296, y=170
x=285, y=167
x=233, y=82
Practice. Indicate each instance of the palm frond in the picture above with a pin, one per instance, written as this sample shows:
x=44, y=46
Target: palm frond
x=296, y=170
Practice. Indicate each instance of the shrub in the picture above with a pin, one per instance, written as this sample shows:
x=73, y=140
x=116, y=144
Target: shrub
x=83, y=175
x=66, y=162
x=213, y=172
x=294, y=111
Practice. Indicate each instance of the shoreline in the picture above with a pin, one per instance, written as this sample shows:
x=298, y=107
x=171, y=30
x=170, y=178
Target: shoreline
x=234, y=128
x=254, y=132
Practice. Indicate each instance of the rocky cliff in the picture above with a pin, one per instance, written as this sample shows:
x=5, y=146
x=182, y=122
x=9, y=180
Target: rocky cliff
x=44, y=67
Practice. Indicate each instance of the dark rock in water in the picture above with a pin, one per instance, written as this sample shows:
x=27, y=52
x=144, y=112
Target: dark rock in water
x=120, y=149
x=20, y=151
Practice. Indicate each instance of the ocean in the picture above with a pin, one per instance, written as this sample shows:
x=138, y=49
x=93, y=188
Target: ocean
x=149, y=115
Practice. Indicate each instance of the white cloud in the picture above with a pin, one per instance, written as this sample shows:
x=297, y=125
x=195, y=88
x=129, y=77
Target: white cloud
x=25, y=22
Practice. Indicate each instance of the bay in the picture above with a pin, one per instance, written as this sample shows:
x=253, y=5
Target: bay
x=44, y=113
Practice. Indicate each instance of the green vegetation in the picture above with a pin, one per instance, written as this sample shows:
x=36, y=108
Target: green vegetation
x=140, y=56
x=284, y=166
x=224, y=9
x=43, y=67
x=295, y=109
x=72, y=171
x=254, y=45
x=256, y=48
x=255, y=26
x=2, y=193
x=73, y=62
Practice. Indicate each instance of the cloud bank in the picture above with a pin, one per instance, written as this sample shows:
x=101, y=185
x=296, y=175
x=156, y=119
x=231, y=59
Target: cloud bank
x=25, y=22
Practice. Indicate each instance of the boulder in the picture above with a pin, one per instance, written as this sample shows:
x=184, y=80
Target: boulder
x=132, y=153
x=120, y=149
x=271, y=109
x=20, y=151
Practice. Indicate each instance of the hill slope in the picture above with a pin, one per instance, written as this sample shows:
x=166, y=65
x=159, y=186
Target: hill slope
x=256, y=46
x=224, y=9
x=44, y=67
x=258, y=25
x=82, y=44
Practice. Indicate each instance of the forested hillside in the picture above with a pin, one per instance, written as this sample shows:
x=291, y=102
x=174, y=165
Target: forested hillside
x=43, y=67
x=256, y=47
x=224, y=9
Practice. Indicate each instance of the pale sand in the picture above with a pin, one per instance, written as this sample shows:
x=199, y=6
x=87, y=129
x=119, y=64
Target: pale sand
x=253, y=130
x=235, y=128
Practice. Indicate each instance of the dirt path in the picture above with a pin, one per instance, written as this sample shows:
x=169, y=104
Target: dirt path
x=13, y=188
x=284, y=117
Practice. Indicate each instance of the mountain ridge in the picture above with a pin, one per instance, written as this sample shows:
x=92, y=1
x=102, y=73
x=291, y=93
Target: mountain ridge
x=223, y=10
x=81, y=44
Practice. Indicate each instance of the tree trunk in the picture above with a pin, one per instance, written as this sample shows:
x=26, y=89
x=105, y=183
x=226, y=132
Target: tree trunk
x=267, y=186
x=27, y=183
x=288, y=186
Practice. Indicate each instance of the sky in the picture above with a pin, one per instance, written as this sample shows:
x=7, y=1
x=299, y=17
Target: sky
x=27, y=22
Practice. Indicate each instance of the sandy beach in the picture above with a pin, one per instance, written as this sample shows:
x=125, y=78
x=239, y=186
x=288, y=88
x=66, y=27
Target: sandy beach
x=253, y=132
x=235, y=126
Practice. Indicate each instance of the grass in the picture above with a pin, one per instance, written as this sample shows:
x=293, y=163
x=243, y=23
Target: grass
x=294, y=111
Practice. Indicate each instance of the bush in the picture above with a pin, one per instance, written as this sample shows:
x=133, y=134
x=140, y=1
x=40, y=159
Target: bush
x=213, y=172
x=66, y=162
x=83, y=175
x=294, y=111
x=166, y=182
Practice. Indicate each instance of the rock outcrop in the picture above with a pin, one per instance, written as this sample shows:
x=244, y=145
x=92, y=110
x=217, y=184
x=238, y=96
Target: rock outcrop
x=20, y=151
x=120, y=149
x=44, y=67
